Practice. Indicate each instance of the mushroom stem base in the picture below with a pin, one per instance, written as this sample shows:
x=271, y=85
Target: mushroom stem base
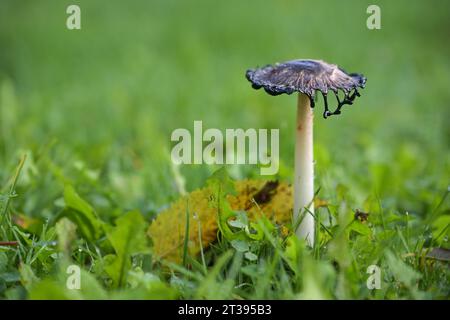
x=304, y=171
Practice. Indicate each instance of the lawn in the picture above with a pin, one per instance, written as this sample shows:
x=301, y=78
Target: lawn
x=86, y=118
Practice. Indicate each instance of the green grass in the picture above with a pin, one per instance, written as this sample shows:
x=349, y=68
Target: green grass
x=93, y=111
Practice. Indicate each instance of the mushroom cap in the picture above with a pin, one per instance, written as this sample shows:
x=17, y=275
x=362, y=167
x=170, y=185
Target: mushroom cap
x=305, y=76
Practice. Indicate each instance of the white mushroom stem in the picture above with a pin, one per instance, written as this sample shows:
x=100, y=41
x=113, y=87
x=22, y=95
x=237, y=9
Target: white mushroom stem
x=304, y=171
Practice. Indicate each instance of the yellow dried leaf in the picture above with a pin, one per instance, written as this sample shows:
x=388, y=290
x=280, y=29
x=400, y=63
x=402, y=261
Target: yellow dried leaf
x=168, y=229
x=319, y=203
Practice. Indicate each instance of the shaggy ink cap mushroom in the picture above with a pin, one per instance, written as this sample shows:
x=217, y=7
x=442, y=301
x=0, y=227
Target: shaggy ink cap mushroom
x=308, y=76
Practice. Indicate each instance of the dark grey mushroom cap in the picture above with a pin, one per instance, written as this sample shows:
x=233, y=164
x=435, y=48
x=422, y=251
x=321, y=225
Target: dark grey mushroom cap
x=304, y=76
x=307, y=76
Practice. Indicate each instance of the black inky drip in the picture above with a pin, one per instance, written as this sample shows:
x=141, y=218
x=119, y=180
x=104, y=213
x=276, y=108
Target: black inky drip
x=348, y=99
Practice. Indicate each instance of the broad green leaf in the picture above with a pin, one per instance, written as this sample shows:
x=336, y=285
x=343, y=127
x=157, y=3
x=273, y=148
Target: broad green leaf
x=241, y=221
x=127, y=238
x=117, y=267
x=360, y=228
x=146, y=286
x=319, y=278
x=27, y=276
x=82, y=214
x=66, y=231
x=250, y=256
x=49, y=289
x=221, y=179
x=293, y=251
x=222, y=185
x=157, y=291
x=256, y=229
x=90, y=287
x=56, y=287
x=240, y=245
x=401, y=271
x=3, y=262
x=11, y=277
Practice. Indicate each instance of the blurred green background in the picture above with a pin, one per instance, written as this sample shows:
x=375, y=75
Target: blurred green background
x=96, y=107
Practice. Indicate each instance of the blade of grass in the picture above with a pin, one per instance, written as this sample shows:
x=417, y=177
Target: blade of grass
x=4, y=215
x=12, y=191
x=186, y=235
x=202, y=254
x=432, y=216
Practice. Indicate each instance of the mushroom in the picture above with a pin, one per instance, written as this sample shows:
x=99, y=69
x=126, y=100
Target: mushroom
x=306, y=77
